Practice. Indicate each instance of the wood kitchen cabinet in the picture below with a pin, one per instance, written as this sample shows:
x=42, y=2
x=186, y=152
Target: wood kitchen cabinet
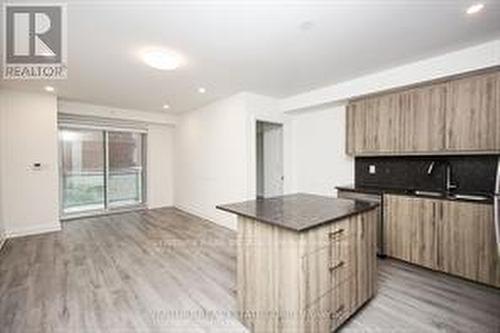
x=311, y=281
x=410, y=231
x=373, y=125
x=450, y=236
x=467, y=246
x=458, y=115
x=422, y=111
x=472, y=114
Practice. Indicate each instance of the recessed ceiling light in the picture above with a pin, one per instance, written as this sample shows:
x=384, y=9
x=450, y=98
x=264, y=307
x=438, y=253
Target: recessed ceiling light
x=162, y=59
x=166, y=106
x=49, y=88
x=202, y=90
x=306, y=25
x=474, y=9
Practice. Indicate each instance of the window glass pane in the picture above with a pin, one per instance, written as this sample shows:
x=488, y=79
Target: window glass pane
x=82, y=170
x=125, y=168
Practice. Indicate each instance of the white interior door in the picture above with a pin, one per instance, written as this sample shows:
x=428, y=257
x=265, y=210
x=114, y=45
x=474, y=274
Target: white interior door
x=272, y=154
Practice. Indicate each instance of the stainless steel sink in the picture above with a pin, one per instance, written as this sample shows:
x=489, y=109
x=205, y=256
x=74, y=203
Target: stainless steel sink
x=430, y=193
x=470, y=197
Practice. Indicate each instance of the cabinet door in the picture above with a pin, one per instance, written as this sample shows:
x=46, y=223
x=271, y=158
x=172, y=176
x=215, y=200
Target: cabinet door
x=350, y=140
x=353, y=266
x=467, y=242
x=472, y=122
x=410, y=226
x=409, y=121
x=373, y=125
x=423, y=114
x=360, y=133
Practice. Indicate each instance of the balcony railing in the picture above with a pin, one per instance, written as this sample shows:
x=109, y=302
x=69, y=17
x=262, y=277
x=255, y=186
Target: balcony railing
x=85, y=190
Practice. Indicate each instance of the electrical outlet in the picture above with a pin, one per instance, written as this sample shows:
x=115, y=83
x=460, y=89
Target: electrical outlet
x=372, y=169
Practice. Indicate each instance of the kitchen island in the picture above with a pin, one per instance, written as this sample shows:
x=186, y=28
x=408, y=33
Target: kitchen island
x=305, y=263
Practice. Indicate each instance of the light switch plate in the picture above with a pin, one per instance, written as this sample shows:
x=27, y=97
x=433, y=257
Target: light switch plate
x=372, y=169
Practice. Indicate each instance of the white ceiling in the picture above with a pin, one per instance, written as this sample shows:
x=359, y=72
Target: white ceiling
x=258, y=46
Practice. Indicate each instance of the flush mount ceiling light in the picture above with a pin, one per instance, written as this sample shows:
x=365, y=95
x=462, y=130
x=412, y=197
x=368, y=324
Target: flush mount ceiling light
x=166, y=106
x=49, y=88
x=474, y=9
x=202, y=90
x=162, y=59
x=306, y=25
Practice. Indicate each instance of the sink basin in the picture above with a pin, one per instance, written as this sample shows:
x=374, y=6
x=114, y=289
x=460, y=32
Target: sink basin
x=429, y=193
x=470, y=197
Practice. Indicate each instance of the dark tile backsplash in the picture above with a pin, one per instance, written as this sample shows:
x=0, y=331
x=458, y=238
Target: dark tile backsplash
x=471, y=174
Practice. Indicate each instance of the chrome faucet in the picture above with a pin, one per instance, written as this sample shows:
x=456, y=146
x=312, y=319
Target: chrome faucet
x=449, y=183
x=431, y=167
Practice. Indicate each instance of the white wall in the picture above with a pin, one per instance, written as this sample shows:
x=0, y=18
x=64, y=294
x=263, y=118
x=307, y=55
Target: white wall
x=215, y=154
x=160, y=143
x=318, y=161
x=211, y=159
x=160, y=166
x=465, y=60
x=30, y=200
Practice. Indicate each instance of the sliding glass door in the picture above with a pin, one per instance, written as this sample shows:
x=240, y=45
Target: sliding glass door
x=125, y=169
x=100, y=170
x=83, y=176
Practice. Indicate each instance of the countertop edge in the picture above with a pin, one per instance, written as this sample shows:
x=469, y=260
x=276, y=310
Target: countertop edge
x=274, y=223
x=381, y=192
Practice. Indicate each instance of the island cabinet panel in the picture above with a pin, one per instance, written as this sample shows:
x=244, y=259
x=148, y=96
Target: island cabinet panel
x=352, y=269
x=309, y=281
x=410, y=229
x=449, y=236
x=472, y=122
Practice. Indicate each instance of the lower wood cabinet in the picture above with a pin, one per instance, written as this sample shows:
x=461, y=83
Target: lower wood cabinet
x=410, y=229
x=450, y=236
x=310, y=281
x=467, y=242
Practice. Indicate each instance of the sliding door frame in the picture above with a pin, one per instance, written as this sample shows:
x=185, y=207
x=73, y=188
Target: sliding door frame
x=105, y=130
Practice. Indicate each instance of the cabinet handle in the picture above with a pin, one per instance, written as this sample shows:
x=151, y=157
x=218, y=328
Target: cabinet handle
x=335, y=233
x=340, y=264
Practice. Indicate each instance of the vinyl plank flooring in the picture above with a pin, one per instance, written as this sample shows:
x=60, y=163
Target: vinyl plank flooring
x=414, y=299
x=164, y=270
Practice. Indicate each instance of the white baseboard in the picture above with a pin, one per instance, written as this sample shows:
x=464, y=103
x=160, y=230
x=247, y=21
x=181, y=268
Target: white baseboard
x=223, y=223
x=33, y=230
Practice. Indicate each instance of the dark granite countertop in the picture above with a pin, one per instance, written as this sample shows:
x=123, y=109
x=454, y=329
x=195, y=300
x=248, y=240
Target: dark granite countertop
x=298, y=212
x=486, y=199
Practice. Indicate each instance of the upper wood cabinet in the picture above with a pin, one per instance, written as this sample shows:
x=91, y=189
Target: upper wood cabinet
x=374, y=124
x=456, y=116
x=472, y=116
x=422, y=111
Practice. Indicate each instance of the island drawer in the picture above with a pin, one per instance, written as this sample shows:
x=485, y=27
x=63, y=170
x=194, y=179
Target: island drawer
x=339, y=242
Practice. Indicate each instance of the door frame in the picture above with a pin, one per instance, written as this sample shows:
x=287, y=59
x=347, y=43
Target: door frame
x=281, y=126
